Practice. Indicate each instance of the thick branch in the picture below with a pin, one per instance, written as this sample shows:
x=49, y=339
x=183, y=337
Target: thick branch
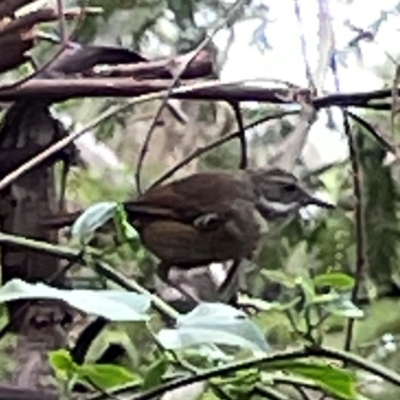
x=200, y=67
x=8, y=7
x=14, y=46
x=17, y=36
x=29, y=20
x=61, y=89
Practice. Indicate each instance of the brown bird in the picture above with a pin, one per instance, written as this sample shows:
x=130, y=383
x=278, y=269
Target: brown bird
x=211, y=216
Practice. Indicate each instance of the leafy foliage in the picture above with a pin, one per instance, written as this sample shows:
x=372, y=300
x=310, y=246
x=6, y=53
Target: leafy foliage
x=380, y=212
x=214, y=323
x=301, y=284
x=111, y=304
x=104, y=376
x=334, y=380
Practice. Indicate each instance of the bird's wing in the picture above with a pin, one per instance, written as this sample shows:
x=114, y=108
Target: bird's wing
x=202, y=199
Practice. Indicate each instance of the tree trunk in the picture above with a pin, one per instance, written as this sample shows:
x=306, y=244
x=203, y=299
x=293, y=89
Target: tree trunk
x=28, y=128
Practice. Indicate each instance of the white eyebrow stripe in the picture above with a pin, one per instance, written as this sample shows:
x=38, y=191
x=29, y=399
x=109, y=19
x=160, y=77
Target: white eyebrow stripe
x=277, y=206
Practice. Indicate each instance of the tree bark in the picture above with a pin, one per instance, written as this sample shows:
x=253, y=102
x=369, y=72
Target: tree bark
x=28, y=128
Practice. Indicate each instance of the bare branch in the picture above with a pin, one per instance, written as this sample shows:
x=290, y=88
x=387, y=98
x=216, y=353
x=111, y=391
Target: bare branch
x=241, y=135
x=28, y=21
x=14, y=46
x=201, y=150
x=368, y=127
x=359, y=218
x=177, y=74
x=290, y=149
x=201, y=66
x=33, y=18
x=311, y=83
x=8, y=7
x=62, y=89
x=61, y=22
x=325, y=45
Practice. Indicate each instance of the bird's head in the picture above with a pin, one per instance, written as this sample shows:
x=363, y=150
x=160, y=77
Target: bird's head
x=279, y=193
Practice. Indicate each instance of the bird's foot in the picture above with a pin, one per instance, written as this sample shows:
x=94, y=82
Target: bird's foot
x=229, y=288
x=163, y=271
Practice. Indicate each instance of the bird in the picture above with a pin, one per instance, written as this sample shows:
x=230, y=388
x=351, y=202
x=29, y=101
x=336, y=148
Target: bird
x=212, y=216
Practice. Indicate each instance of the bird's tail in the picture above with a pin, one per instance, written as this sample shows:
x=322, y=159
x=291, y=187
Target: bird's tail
x=134, y=210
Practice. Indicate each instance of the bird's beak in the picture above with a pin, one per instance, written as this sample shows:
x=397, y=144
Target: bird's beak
x=320, y=203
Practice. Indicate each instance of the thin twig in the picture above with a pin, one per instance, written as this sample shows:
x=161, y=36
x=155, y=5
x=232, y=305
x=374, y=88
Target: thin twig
x=62, y=24
x=368, y=127
x=201, y=150
x=358, y=212
x=50, y=61
x=325, y=44
x=302, y=392
x=269, y=393
x=62, y=143
x=319, y=102
x=64, y=44
x=103, y=392
x=241, y=135
x=54, y=148
x=289, y=150
x=227, y=284
x=323, y=352
x=75, y=255
x=310, y=79
x=182, y=68
x=221, y=393
x=310, y=351
x=294, y=381
x=359, y=224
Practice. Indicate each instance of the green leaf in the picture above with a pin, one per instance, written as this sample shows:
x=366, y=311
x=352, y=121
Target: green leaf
x=155, y=373
x=214, y=323
x=115, y=305
x=91, y=219
x=247, y=377
x=240, y=386
x=279, y=277
x=61, y=360
x=126, y=230
x=298, y=262
x=344, y=307
x=211, y=353
x=362, y=397
x=338, y=382
x=107, y=376
x=307, y=286
x=326, y=298
x=336, y=280
x=259, y=304
x=70, y=384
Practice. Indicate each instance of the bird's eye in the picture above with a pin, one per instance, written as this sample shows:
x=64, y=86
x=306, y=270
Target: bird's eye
x=290, y=188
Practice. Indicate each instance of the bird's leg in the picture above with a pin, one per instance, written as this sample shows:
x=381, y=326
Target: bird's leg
x=163, y=271
x=228, y=283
